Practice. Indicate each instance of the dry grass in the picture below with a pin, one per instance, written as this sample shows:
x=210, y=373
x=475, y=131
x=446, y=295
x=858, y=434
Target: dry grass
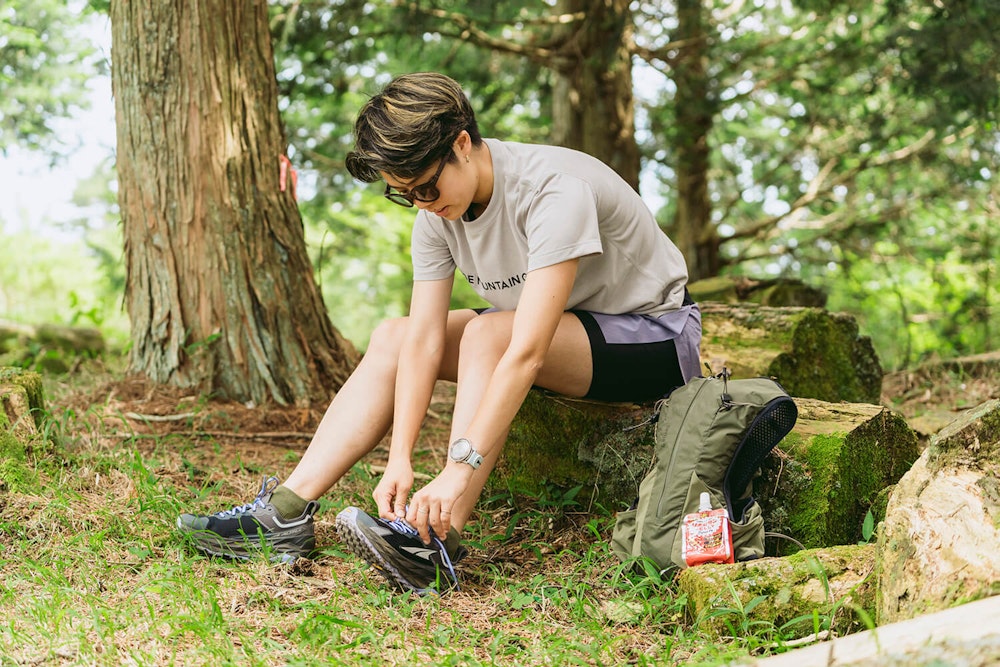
x=933, y=394
x=92, y=572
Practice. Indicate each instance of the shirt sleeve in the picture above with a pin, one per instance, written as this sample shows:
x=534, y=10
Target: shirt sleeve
x=562, y=222
x=431, y=256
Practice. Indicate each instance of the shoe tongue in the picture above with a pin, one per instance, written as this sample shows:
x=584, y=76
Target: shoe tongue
x=453, y=544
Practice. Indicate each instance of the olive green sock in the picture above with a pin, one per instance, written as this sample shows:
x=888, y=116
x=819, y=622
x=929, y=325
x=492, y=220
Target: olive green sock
x=288, y=504
x=453, y=544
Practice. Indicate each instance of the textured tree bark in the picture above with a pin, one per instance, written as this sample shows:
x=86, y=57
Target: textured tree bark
x=940, y=542
x=692, y=229
x=593, y=106
x=220, y=290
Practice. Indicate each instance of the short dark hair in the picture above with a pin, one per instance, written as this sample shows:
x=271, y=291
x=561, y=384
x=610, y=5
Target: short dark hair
x=408, y=126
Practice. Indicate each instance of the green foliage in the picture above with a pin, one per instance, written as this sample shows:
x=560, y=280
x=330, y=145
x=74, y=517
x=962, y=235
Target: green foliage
x=72, y=274
x=327, y=67
x=852, y=144
x=43, y=67
x=836, y=159
x=951, y=52
x=50, y=279
x=867, y=528
x=822, y=165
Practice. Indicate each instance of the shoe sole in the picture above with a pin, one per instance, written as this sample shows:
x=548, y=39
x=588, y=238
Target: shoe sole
x=283, y=550
x=355, y=539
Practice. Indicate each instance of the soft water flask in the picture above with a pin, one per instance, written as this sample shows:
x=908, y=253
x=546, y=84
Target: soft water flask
x=706, y=536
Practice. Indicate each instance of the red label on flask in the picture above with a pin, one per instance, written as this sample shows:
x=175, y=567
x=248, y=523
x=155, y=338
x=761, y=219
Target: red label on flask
x=706, y=537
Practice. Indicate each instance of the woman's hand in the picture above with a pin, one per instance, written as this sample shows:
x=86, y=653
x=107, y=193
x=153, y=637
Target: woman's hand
x=393, y=489
x=431, y=506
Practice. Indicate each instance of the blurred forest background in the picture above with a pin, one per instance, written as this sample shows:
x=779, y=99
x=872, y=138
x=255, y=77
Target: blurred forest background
x=852, y=145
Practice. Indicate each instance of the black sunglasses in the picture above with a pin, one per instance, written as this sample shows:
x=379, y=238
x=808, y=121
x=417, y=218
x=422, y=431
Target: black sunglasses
x=425, y=192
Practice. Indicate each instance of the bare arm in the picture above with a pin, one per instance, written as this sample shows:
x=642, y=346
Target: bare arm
x=539, y=311
x=541, y=306
x=419, y=364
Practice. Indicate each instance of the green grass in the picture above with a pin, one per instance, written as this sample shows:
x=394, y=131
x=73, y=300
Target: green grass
x=93, y=573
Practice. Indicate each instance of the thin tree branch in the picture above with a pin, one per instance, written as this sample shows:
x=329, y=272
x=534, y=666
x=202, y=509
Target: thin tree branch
x=820, y=186
x=661, y=53
x=469, y=30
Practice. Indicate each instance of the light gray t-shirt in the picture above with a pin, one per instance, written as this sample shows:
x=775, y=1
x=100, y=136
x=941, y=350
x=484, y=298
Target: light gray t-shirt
x=549, y=205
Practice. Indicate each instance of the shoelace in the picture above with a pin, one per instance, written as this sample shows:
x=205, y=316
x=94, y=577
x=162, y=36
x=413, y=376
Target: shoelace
x=268, y=485
x=401, y=526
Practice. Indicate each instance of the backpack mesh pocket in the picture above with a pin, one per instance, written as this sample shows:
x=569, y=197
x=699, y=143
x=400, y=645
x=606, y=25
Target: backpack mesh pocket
x=767, y=429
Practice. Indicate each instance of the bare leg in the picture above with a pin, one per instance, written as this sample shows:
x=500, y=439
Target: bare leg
x=361, y=413
x=568, y=369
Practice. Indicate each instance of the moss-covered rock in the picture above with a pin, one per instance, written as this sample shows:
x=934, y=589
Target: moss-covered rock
x=31, y=383
x=564, y=442
x=813, y=353
x=835, y=583
x=832, y=469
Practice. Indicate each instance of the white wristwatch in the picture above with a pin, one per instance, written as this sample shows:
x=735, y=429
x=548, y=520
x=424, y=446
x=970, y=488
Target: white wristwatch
x=462, y=451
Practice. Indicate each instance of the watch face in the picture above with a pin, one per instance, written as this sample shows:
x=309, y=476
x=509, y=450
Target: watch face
x=460, y=449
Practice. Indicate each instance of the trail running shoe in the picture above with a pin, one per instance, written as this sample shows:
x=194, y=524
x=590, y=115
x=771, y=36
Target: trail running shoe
x=396, y=551
x=247, y=531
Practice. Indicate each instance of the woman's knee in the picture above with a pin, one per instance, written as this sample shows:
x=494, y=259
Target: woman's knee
x=387, y=338
x=487, y=336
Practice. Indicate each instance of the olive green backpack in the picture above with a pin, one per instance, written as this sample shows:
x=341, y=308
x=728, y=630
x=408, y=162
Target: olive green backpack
x=711, y=435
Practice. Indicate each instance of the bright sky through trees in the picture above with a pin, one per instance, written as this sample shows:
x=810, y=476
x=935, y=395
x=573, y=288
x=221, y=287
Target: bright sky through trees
x=38, y=192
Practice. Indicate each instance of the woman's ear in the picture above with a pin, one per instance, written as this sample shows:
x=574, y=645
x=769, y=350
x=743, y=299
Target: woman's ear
x=463, y=143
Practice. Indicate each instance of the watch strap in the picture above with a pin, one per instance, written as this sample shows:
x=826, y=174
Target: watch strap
x=474, y=459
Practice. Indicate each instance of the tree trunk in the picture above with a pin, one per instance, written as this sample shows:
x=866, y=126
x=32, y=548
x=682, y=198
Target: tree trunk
x=220, y=290
x=692, y=229
x=593, y=106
